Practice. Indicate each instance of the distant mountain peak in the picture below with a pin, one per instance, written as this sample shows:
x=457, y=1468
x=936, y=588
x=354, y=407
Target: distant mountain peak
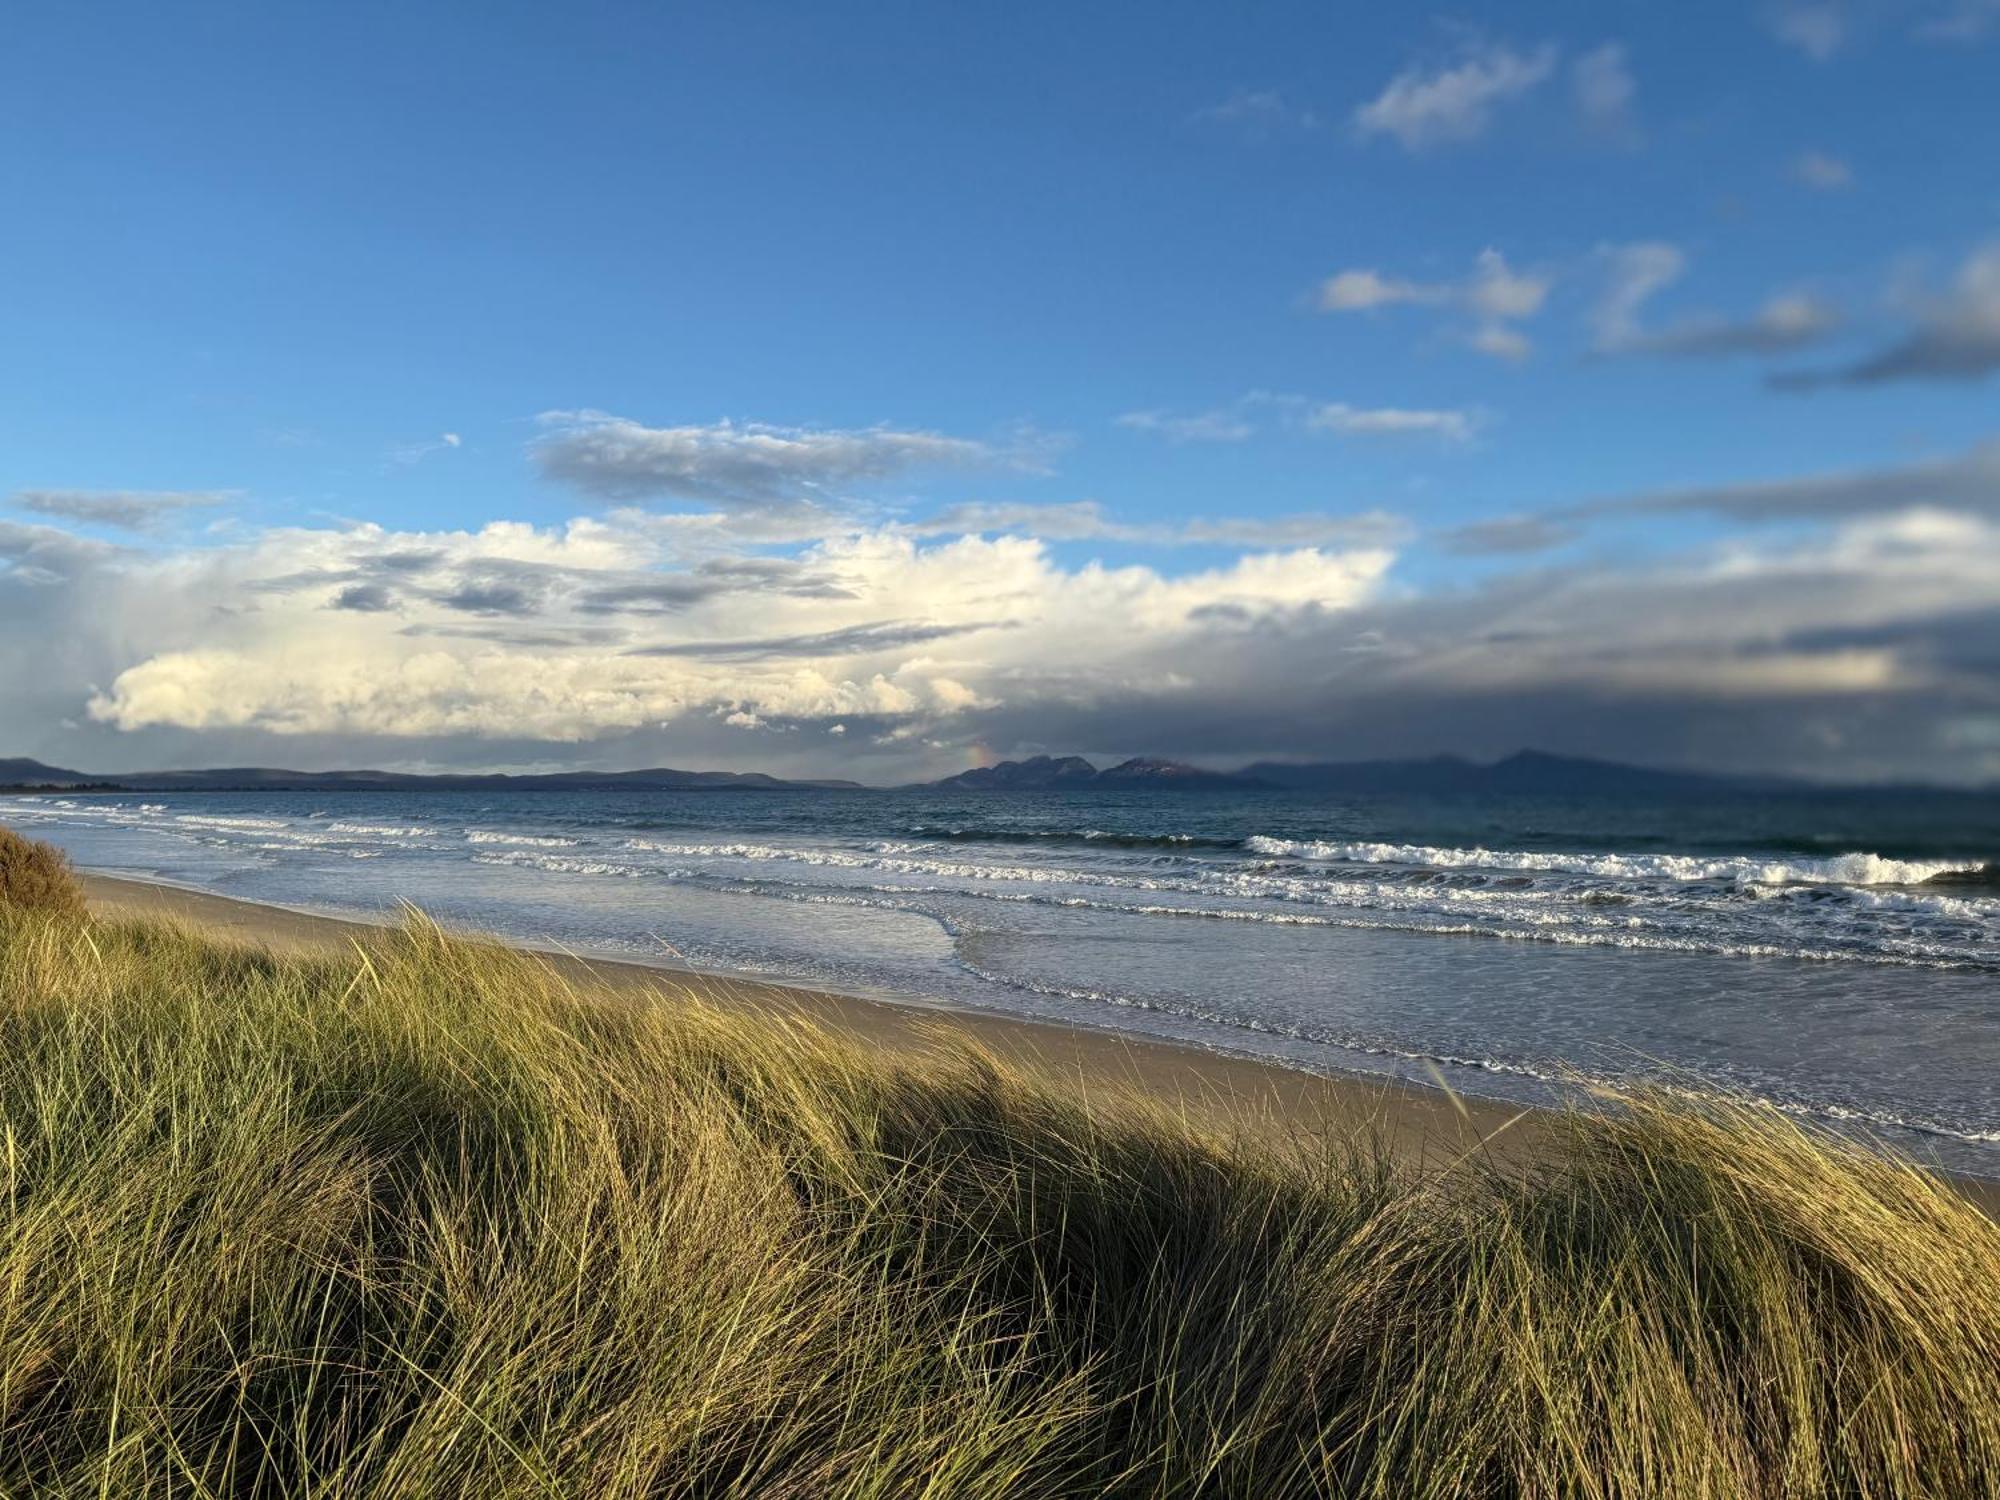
x=1040, y=773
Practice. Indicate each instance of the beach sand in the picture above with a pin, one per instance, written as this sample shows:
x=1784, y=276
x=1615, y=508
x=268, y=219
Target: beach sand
x=1412, y=1120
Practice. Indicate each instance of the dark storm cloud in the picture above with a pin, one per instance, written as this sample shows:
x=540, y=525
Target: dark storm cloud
x=369, y=598
x=492, y=599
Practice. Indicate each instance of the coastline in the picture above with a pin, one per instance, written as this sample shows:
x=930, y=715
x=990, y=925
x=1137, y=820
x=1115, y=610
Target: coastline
x=1415, y=1121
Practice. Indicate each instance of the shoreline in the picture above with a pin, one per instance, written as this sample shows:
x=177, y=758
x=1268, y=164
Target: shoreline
x=1414, y=1120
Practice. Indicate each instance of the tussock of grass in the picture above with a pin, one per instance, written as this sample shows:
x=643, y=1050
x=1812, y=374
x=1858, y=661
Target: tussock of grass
x=429, y=1221
x=35, y=877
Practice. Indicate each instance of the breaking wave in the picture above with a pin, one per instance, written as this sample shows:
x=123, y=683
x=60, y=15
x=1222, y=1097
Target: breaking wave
x=1839, y=869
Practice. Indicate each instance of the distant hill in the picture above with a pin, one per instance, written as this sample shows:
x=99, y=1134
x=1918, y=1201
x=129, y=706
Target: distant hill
x=1044, y=773
x=33, y=775
x=1525, y=773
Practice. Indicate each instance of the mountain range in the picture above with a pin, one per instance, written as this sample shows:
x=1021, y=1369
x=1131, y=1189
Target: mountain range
x=1526, y=773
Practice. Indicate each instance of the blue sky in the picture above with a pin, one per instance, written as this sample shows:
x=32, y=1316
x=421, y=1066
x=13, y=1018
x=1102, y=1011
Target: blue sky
x=1113, y=283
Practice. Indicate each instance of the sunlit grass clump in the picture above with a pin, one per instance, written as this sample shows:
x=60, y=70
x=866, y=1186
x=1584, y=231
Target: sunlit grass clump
x=35, y=876
x=431, y=1221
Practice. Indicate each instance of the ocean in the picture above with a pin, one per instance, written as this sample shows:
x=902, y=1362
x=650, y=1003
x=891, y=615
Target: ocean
x=1835, y=954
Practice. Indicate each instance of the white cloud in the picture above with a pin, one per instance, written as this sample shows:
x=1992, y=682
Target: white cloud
x=1423, y=108
x=1817, y=30
x=1258, y=113
x=1338, y=416
x=750, y=465
x=1751, y=652
x=408, y=455
x=1782, y=324
x=1499, y=293
x=1494, y=294
x=1605, y=89
x=1241, y=419
x=915, y=630
x=1222, y=425
x=1633, y=275
x=1358, y=290
x=1828, y=174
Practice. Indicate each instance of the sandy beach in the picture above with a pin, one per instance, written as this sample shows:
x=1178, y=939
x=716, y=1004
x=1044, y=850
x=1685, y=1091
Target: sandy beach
x=1412, y=1120
x=1416, y=1122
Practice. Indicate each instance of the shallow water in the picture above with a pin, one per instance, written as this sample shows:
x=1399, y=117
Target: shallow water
x=1838, y=954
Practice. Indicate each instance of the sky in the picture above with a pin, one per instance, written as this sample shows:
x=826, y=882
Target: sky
x=882, y=390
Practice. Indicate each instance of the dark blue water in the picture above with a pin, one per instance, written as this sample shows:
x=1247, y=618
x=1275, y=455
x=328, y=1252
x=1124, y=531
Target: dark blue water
x=1839, y=954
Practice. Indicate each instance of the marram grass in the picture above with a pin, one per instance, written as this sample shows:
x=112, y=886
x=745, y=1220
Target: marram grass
x=430, y=1221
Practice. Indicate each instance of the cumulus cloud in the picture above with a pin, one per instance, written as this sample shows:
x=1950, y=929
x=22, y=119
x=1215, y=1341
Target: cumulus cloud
x=1359, y=290
x=521, y=640
x=127, y=510
x=972, y=618
x=1495, y=296
x=1423, y=107
x=749, y=465
x=1954, y=335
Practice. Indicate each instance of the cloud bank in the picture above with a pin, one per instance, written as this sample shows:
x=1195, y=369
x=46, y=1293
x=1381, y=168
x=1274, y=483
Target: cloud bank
x=1871, y=646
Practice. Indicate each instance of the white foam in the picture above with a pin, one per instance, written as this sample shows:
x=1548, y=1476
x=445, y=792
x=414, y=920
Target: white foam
x=378, y=830
x=1840, y=869
x=487, y=836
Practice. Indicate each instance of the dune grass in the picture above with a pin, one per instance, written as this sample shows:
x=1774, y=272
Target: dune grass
x=35, y=876
x=429, y=1220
